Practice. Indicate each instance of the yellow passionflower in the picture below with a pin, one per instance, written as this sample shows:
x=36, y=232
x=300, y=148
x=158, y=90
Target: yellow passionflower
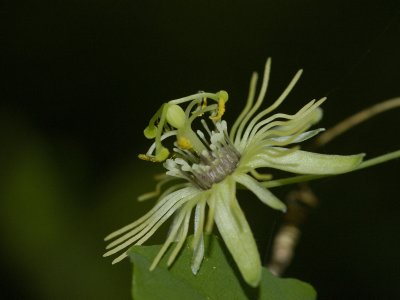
x=209, y=164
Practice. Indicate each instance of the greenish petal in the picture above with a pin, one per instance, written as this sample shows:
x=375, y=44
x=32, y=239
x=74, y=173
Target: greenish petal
x=262, y=193
x=303, y=162
x=303, y=178
x=236, y=232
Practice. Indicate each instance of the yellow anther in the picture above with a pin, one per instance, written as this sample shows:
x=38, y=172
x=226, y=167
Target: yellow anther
x=147, y=157
x=161, y=155
x=221, y=110
x=184, y=143
x=204, y=103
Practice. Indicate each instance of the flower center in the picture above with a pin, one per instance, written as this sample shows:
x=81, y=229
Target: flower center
x=214, y=166
x=218, y=159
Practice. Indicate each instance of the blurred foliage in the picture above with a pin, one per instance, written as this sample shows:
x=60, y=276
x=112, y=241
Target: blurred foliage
x=81, y=78
x=218, y=278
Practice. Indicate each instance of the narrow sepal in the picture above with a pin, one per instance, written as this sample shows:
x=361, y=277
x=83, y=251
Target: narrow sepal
x=303, y=162
x=261, y=192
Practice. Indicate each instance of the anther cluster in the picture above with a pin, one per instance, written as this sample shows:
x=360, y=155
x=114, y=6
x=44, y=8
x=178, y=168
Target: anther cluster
x=212, y=165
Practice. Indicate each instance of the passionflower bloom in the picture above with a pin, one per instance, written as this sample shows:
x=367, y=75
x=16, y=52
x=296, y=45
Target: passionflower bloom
x=208, y=165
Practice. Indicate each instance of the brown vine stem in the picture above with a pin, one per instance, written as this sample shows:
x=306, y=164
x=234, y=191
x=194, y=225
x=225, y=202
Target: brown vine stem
x=356, y=119
x=301, y=200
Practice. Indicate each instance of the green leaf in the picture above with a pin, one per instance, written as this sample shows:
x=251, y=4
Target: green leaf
x=217, y=278
x=273, y=287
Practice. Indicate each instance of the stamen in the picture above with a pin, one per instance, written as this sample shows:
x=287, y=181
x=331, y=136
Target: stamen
x=204, y=103
x=161, y=152
x=151, y=130
x=147, y=157
x=221, y=106
x=163, y=137
x=202, y=111
x=190, y=107
x=193, y=97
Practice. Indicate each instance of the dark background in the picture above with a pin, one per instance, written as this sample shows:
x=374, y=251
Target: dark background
x=82, y=78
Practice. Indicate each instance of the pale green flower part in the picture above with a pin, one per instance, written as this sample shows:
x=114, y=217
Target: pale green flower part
x=210, y=163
